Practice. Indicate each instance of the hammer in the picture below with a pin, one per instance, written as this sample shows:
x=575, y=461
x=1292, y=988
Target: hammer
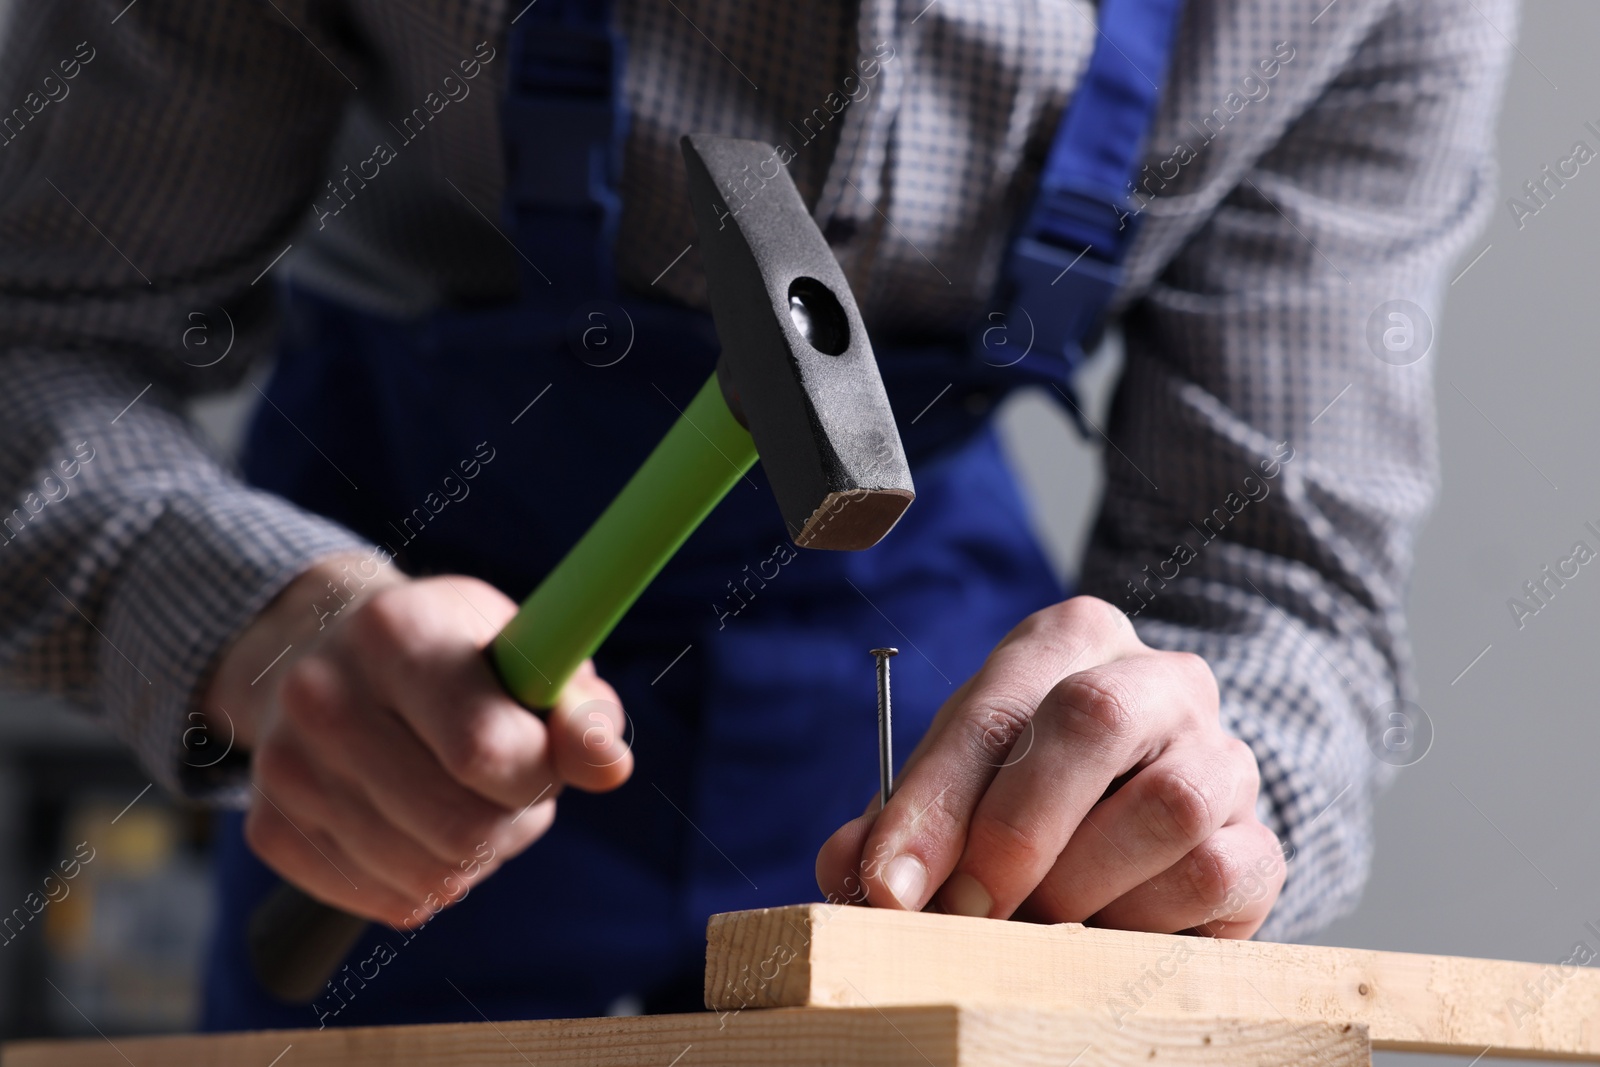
x=796, y=384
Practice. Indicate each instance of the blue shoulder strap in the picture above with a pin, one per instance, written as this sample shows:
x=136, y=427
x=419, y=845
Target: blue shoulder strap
x=564, y=122
x=1065, y=264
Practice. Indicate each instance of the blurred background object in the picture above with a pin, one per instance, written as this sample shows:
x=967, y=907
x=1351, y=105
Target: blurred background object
x=1481, y=845
x=106, y=897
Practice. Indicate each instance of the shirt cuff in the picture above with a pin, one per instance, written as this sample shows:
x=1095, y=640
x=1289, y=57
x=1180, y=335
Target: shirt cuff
x=206, y=563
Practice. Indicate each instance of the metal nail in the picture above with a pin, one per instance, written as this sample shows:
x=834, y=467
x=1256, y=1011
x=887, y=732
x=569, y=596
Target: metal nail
x=885, y=740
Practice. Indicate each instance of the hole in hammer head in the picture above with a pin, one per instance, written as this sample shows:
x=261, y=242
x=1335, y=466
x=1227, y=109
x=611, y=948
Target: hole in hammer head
x=817, y=314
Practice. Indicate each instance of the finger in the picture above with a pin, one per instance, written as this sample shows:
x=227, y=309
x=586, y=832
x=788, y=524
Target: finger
x=308, y=796
x=1180, y=800
x=958, y=699
x=307, y=857
x=840, y=867
x=1093, y=728
x=590, y=736
x=349, y=739
x=922, y=831
x=420, y=648
x=294, y=789
x=1224, y=887
x=407, y=867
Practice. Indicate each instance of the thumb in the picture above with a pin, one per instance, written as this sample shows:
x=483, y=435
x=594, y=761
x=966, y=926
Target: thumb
x=590, y=736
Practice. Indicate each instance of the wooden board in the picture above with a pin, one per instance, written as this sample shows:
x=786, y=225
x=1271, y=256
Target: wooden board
x=937, y=1036
x=836, y=956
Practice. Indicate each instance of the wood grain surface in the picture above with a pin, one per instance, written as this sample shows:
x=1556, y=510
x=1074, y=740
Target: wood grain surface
x=839, y=956
x=937, y=1036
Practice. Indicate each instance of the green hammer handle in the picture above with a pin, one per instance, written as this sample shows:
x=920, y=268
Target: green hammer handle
x=566, y=618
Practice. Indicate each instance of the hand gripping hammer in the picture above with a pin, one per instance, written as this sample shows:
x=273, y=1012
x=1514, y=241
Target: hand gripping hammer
x=796, y=384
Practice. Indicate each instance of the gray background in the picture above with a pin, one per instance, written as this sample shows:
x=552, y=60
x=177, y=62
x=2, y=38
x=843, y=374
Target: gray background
x=1481, y=846
x=1488, y=845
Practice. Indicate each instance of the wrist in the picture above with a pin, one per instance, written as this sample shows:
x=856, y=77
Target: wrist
x=291, y=624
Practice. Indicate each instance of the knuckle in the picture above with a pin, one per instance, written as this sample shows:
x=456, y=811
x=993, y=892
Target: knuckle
x=1182, y=812
x=992, y=728
x=1270, y=864
x=1016, y=845
x=1096, y=704
x=1243, y=758
x=1266, y=872
x=308, y=697
x=302, y=685
x=387, y=624
x=1062, y=632
x=1065, y=620
x=1212, y=873
x=1091, y=613
x=1198, y=676
x=479, y=754
x=922, y=831
x=1042, y=621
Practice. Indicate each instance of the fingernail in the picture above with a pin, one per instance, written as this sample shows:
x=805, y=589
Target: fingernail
x=965, y=895
x=906, y=878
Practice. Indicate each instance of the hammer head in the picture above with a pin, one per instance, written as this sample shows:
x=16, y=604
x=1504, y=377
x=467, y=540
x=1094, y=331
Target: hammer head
x=796, y=367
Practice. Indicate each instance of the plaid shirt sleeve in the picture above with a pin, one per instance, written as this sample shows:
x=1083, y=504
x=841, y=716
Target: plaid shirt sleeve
x=129, y=557
x=163, y=156
x=1271, y=464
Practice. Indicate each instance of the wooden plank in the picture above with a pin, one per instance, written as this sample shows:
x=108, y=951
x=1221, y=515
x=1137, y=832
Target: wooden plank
x=936, y=1036
x=838, y=956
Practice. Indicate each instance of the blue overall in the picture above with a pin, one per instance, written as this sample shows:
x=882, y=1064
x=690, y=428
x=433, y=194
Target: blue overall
x=743, y=669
